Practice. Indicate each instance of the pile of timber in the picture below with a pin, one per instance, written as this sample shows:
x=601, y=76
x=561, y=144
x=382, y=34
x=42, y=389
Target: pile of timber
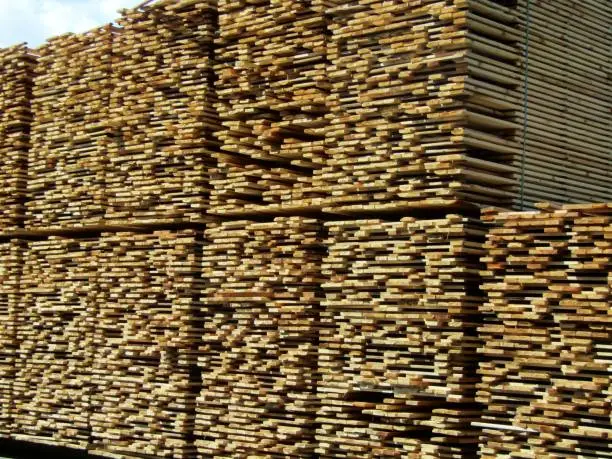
x=162, y=113
x=55, y=321
x=272, y=89
x=17, y=68
x=143, y=380
x=546, y=363
x=11, y=253
x=69, y=152
x=397, y=344
x=258, y=354
x=568, y=109
x=422, y=105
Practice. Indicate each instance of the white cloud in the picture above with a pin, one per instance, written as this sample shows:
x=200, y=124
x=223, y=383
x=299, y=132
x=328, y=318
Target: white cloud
x=34, y=21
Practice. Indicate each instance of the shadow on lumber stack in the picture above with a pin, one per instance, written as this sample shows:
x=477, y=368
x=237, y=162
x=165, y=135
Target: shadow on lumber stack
x=259, y=352
x=398, y=340
x=569, y=115
x=17, y=71
x=546, y=364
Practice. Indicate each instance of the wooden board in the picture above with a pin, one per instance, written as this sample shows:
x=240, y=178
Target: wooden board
x=272, y=89
x=568, y=152
x=410, y=125
x=70, y=132
x=123, y=121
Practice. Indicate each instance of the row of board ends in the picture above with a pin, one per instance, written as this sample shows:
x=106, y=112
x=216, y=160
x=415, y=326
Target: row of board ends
x=126, y=15
x=479, y=216
x=153, y=7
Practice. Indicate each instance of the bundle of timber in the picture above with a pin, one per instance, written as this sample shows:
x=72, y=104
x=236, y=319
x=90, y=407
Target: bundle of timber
x=568, y=105
x=259, y=351
x=162, y=113
x=144, y=375
x=546, y=363
x=397, y=346
x=17, y=68
x=55, y=321
x=69, y=151
x=11, y=253
x=422, y=104
x=272, y=89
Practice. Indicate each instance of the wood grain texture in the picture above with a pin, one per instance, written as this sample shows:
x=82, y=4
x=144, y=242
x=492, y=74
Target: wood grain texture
x=161, y=114
x=56, y=318
x=70, y=130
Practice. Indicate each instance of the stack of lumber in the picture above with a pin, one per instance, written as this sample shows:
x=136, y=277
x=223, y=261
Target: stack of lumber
x=55, y=320
x=162, y=113
x=422, y=105
x=11, y=253
x=258, y=355
x=70, y=139
x=546, y=363
x=143, y=375
x=272, y=89
x=569, y=109
x=16, y=72
x=397, y=344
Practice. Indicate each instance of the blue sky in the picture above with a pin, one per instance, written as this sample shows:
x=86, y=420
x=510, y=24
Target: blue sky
x=34, y=21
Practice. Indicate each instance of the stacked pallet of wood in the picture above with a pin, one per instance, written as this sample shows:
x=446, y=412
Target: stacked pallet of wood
x=16, y=64
x=11, y=253
x=398, y=343
x=568, y=110
x=162, y=113
x=55, y=321
x=546, y=363
x=272, y=89
x=144, y=375
x=70, y=139
x=422, y=105
x=258, y=355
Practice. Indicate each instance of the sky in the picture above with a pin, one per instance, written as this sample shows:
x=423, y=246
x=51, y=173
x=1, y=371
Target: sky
x=34, y=21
